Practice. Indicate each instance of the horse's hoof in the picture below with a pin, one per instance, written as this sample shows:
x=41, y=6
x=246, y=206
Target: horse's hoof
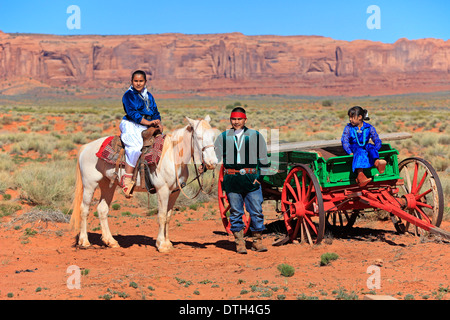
x=165, y=248
x=84, y=243
x=114, y=245
x=111, y=243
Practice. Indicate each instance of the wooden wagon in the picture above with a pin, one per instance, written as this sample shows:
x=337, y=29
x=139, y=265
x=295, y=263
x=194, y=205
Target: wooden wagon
x=314, y=189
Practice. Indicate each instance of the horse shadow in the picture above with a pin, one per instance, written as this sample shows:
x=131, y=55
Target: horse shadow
x=127, y=241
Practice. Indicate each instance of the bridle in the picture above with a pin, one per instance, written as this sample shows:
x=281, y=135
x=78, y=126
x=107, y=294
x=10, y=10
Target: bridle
x=199, y=177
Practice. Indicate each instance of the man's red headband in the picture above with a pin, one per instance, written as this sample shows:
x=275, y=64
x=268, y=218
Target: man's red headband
x=238, y=115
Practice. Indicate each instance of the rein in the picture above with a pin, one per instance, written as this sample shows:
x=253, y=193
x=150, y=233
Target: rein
x=198, y=176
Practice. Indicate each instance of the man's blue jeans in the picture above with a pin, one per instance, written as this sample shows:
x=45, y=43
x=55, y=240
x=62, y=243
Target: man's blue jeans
x=253, y=204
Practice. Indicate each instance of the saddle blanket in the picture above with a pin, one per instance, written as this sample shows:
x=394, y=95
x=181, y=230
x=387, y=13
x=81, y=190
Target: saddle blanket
x=109, y=150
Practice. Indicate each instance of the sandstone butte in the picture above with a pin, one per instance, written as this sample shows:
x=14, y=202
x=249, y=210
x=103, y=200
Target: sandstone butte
x=223, y=64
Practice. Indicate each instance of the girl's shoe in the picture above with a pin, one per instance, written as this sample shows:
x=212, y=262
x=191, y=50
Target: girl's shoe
x=127, y=184
x=380, y=165
x=362, y=179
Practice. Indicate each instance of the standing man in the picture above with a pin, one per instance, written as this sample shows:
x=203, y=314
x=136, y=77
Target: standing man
x=244, y=155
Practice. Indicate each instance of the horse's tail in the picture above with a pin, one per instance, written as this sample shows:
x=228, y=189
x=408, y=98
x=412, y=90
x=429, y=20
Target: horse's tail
x=75, y=220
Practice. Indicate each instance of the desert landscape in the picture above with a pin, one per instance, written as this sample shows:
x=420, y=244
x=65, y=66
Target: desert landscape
x=58, y=93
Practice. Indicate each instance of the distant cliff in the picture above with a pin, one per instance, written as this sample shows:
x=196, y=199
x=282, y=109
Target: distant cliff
x=217, y=64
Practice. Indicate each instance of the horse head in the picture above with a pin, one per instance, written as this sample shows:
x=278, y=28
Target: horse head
x=203, y=141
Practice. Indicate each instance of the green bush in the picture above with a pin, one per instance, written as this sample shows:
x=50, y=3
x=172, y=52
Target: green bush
x=326, y=258
x=327, y=103
x=47, y=184
x=286, y=270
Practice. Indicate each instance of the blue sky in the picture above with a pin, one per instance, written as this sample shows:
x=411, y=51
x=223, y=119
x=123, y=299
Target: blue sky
x=338, y=19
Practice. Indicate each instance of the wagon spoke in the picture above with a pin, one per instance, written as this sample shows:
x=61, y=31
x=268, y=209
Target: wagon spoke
x=416, y=190
x=416, y=169
x=426, y=205
x=308, y=193
x=297, y=184
x=303, y=186
x=288, y=185
x=424, y=216
x=420, y=196
x=305, y=227
x=310, y=202
x=297, y=226
x=340, y=219
x=408, y=180
x=313, y=227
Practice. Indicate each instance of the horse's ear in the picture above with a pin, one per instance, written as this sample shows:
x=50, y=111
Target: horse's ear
x=207, y=118
x=191, y=122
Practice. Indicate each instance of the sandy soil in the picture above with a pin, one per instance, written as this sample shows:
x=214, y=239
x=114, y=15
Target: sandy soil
x=203, y=264
x=36, y=260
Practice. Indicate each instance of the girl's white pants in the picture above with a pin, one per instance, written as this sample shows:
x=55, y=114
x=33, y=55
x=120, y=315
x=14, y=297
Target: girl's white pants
x=132, y=139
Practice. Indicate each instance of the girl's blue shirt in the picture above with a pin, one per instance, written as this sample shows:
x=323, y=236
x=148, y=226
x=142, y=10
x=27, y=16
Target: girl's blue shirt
x=351, y=139
x=135, y=107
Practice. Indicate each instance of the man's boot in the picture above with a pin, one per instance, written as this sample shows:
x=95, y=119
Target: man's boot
x=257, y=242
x=240, y=242
x=380, y=164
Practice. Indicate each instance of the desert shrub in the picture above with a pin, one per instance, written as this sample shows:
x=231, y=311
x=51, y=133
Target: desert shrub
x=43, y=144
x=79, y=138
x=327, y=103
x=286, y=270
x=8, y=208
x=444, y=139
x=326, y=258
x=6, y=181
x=47, y=184
x=6, y=163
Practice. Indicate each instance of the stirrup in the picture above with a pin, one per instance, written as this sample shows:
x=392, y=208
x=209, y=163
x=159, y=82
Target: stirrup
x=127, y=185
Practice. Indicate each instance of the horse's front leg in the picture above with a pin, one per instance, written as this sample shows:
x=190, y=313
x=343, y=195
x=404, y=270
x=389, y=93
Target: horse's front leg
x=106, y=197
x=162, y=241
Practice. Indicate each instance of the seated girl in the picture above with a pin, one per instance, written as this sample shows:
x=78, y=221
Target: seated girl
x=141, y=113
x=355, y=140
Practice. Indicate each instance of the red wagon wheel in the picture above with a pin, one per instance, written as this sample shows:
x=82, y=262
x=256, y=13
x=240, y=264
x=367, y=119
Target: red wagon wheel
x=341, y=219
x=302, y=205
x=224, y=207
x=422, y=191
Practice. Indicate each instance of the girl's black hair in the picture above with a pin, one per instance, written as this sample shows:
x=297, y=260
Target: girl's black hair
x=139, y=72
x=358, y=111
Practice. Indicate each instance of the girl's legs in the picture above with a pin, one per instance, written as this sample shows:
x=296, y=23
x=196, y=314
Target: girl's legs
x=132, y=140
x=374, y=158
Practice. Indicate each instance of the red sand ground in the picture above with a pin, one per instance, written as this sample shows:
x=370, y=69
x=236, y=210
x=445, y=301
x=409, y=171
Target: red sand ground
x=203, y=264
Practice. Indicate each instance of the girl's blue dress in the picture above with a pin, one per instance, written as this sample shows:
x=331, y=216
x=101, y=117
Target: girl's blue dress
x=364, y=153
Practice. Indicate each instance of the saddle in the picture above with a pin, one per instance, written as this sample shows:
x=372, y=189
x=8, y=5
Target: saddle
x=113, y=152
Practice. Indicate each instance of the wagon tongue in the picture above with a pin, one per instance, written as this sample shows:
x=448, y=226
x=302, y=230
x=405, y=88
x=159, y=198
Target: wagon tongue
x=442, y=233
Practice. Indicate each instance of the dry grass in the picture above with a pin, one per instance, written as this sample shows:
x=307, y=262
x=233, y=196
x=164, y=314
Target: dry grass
x=38, y=161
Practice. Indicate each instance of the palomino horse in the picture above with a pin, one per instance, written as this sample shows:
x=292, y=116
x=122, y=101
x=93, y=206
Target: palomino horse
x=196, y=139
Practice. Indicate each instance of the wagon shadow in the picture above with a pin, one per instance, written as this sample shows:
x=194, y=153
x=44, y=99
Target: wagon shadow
x=365, y=234
x=354, y=233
